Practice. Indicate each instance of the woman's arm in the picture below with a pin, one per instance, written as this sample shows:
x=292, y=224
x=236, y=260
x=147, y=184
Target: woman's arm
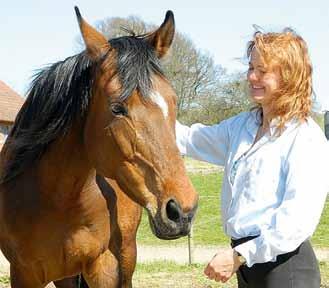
x=205, y=143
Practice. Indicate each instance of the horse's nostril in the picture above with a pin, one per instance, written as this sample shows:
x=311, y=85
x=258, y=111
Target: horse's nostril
x=173, y=211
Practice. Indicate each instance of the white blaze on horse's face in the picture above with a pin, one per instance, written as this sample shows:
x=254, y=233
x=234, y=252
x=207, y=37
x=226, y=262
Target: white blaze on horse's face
x=158, y=99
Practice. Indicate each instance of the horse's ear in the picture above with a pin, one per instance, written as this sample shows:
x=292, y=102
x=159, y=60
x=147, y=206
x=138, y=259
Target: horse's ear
x=96, y=44
x=162, y=38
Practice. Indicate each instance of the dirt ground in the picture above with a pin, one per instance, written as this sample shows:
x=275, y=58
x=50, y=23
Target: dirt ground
x=201, y=254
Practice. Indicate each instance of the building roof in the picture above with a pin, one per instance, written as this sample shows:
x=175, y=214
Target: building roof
x=10, y=103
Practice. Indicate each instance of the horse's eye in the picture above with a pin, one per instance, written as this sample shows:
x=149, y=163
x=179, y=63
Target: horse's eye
x=119, y=109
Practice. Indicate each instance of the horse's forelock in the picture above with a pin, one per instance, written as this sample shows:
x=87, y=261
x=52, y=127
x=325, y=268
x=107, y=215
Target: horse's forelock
x=136, y=63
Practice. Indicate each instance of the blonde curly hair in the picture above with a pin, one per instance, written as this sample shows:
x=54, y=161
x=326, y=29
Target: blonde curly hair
x=287, y=52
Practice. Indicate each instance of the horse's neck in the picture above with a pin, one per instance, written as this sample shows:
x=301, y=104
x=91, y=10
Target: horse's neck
x=64, y=171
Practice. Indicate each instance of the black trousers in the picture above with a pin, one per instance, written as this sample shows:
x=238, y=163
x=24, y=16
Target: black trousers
x=297, y=269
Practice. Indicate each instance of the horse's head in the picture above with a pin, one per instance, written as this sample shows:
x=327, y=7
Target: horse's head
x=129, y=130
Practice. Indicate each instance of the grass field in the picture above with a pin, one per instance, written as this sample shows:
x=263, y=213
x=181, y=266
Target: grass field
x=166, y=274
x=207, y=226
x=169, y=274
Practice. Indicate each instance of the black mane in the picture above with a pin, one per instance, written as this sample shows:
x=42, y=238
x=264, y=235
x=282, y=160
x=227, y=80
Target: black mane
x=61, y=93
x=136, y=63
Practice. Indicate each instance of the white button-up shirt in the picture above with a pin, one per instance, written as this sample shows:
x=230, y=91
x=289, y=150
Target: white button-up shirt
x=275, y=188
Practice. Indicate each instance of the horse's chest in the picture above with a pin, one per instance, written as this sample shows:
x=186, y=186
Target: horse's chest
x=64, y=238
x=63, y=255
x=85, y=244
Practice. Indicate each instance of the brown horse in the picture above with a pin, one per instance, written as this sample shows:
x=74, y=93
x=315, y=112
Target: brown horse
x=111, y=111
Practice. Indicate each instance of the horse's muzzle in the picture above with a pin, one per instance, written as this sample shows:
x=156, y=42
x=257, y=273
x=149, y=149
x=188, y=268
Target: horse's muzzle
x=172, y=222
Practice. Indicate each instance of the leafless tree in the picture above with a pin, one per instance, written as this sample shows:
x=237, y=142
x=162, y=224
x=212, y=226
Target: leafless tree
x=205, y=91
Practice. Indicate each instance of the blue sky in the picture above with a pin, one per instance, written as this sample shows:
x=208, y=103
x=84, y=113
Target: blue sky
x=34, y=33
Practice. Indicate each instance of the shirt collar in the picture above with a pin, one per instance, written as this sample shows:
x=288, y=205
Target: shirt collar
x=254, y=122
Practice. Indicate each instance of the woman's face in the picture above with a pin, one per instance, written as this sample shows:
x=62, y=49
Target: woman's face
x=262, y=81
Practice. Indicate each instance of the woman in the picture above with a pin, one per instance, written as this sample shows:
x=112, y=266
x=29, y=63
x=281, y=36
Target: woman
x=275, y=181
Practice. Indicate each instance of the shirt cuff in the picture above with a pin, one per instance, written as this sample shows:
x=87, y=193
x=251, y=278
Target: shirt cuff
x=253, y=251
x=182, y=133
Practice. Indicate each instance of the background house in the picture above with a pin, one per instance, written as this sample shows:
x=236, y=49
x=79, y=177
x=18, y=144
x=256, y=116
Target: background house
x=10, y=103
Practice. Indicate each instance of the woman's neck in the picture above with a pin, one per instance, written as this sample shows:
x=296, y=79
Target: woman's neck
x=264, y=127
x=266, y=119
